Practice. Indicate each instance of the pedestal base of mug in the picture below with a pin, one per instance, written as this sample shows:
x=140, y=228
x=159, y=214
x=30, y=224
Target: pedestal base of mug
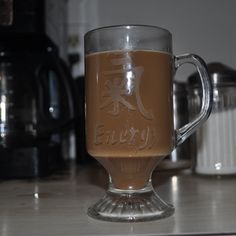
x=130, y=206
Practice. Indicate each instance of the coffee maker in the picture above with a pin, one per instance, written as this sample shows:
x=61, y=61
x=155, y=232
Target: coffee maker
x=36, y=105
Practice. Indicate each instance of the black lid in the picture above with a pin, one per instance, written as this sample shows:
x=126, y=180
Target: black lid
x=220, y=74
x=12, y=42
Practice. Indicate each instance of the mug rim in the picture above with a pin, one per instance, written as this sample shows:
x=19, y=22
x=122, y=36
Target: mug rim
x=127, y=26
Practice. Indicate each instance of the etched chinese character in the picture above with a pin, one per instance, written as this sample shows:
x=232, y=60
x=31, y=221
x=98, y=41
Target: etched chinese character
x=123, y=82
x=114, y=96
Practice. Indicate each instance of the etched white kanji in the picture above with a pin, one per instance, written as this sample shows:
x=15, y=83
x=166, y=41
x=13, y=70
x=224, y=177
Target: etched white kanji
x=114, y=96
x=124, y=81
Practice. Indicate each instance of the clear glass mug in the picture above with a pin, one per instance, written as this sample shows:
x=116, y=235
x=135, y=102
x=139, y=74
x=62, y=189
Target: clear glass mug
x=129, y=115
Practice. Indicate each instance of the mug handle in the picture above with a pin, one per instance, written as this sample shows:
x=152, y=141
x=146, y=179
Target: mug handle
x=207, y=96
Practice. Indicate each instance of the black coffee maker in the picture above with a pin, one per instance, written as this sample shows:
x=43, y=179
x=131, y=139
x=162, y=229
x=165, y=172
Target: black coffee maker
x=36, y=105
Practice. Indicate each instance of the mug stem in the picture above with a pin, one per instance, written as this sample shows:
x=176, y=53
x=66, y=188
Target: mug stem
x=120, y=205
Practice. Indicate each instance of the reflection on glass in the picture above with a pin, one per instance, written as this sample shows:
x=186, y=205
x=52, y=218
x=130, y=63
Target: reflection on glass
x=3, y=108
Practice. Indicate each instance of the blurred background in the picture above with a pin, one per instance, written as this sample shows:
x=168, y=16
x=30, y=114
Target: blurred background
x=202, y=27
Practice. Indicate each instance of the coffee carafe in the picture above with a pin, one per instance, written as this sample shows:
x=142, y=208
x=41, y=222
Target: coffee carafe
x=36, y=105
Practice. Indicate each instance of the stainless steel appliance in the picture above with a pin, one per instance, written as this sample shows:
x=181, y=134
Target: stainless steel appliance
x=180, y=158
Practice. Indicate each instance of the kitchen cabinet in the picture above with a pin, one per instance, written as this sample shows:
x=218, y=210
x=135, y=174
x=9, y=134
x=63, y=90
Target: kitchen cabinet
x=57, y=205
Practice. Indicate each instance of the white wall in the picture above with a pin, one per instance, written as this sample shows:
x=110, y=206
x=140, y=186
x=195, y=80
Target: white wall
x=204, y=27
x=56, y=27
x=82, y=16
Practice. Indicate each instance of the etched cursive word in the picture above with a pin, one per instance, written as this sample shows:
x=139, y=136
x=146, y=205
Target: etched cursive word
x=143, y=138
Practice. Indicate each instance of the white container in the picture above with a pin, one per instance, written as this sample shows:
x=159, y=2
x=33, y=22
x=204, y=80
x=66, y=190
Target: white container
x=214, y=145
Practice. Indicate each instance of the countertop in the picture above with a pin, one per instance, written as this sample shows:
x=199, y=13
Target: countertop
x=57, y=205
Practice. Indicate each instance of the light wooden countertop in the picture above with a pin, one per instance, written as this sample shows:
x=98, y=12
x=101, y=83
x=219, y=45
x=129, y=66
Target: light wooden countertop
x=57, y=205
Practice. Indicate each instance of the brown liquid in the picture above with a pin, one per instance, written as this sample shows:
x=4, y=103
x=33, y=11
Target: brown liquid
x=129, y=121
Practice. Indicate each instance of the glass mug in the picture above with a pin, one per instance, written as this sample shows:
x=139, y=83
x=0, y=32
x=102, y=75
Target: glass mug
x=129, y=115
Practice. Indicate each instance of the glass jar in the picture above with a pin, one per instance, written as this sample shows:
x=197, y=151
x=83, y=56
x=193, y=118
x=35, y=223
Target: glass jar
x=214, y=144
